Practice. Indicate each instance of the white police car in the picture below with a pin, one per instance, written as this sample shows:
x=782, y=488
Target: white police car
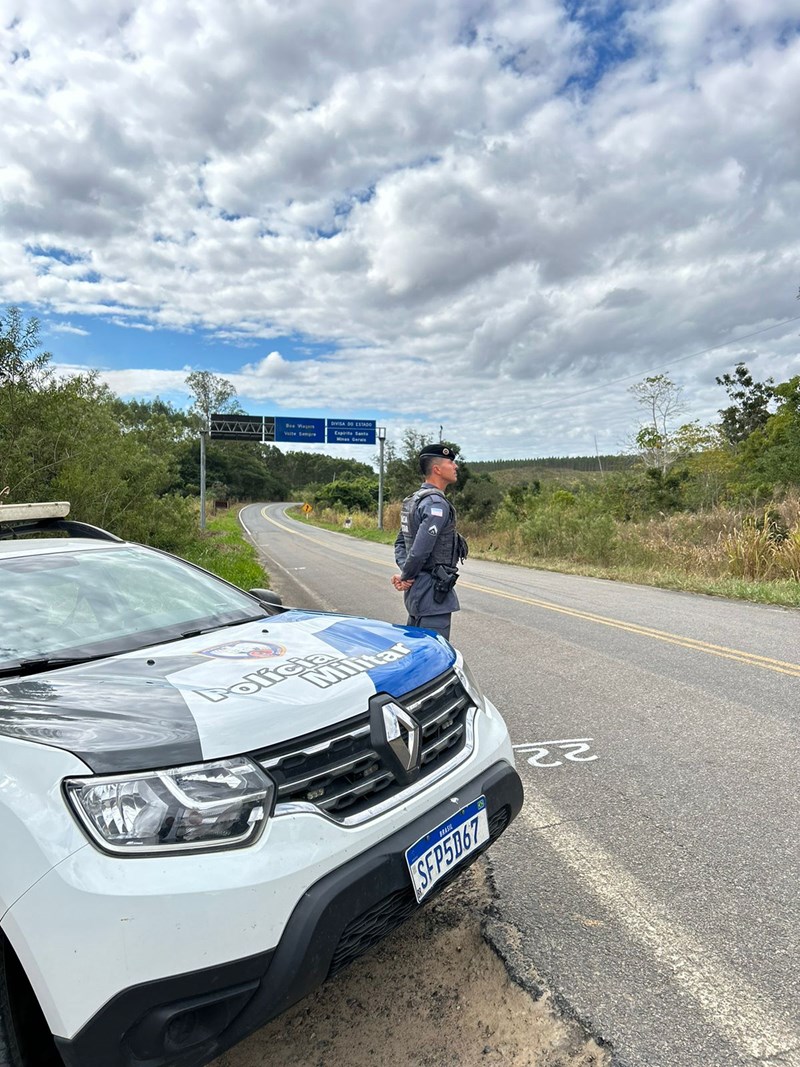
x=209, y=805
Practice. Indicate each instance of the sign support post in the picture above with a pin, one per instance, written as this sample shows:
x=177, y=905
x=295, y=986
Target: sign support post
x=203, y=478
x=381, y=441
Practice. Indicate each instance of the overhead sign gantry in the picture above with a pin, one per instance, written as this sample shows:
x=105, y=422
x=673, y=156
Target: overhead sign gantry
x=269, y=429
x=266, y=429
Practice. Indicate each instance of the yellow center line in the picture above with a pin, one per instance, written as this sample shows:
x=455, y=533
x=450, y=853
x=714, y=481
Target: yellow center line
x=751, y=658
x=792, y=669
x=326, y=544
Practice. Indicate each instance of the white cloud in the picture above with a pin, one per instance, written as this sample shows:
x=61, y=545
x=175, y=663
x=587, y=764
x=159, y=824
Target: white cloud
x=475, y=236
x=67, y=327
x=135, y=383
x=127, y=324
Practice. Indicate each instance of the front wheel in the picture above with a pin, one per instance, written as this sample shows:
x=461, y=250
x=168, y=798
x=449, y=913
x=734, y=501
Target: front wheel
x=25, y=1039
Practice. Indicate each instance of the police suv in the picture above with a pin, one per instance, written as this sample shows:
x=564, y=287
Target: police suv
x=210, y=804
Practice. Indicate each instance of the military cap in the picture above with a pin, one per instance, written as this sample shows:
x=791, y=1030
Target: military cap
x=440, y=450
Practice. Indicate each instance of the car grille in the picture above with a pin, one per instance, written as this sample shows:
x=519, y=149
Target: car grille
x=340, y=772
x=376, y=922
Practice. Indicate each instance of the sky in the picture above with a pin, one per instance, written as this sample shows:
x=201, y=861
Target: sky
x=489, y=216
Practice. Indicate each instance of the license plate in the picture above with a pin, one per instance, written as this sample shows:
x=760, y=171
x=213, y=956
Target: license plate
x=430, y=858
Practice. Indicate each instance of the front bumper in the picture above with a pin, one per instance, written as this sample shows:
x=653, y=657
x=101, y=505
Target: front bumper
x=186, y=1021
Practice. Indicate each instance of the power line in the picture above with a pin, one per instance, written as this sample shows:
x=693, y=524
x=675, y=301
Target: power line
x=678, y=359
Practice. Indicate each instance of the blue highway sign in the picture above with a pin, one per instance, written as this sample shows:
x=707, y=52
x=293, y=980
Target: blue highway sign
x=307, y=430
x=351, y=432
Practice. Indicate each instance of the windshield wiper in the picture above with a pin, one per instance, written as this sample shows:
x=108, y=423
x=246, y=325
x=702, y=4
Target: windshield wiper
x=222, y=626
x=45, y=663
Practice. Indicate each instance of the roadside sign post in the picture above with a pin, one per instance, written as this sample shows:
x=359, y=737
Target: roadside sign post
x=381, y=441
x=203, y=479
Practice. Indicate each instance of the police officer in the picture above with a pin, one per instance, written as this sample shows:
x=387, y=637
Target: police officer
x=428, y=547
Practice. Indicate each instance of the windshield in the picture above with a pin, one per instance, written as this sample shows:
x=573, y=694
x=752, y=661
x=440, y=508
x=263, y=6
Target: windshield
x=95, y=602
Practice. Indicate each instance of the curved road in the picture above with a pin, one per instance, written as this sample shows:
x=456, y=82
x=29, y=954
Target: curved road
x=652, y=877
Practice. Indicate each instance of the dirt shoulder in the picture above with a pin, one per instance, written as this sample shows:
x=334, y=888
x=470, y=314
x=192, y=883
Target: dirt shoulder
x=434, y=994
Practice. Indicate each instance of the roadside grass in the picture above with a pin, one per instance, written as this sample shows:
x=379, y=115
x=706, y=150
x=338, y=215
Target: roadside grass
x=365, y=527
x=223, y=550
x=721, y=553
x=784, y=593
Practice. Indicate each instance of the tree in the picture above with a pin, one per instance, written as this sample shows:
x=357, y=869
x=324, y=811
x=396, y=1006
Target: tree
x=663, y=401
x=24, y=373
x=301, y=469
x=402, y=465
x=245, y=468
x=62, y=439
x=21, y=366
x=751, y=403
x=480, y=498
x=692, y=437
x=213, y=395
x=770, y=456
x=144, y=415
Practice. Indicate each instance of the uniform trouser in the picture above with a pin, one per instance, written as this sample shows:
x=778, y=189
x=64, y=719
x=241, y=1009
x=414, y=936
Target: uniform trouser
x=439, y=623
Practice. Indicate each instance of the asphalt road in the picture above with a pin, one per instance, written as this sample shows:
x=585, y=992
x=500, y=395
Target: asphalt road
x=652, y=877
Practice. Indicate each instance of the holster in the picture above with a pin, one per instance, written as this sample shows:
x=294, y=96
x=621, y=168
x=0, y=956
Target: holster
x=444, y=578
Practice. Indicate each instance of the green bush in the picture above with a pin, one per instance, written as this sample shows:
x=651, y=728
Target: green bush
x=355, y=494
x=480, y=499
x=570, y=526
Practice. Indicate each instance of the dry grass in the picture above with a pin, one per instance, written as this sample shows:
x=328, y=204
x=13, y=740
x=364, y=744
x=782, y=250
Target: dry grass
x=752, y=554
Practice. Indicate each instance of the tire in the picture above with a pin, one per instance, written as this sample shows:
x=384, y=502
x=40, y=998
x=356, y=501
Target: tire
x=25, y=1039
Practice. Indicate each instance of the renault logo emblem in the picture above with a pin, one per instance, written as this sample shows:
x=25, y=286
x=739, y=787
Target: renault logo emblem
x=402, y=733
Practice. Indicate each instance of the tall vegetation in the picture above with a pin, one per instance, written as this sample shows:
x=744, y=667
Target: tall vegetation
x=131, y=466
x=63, y=439
x=722, y=499
x=714, y=507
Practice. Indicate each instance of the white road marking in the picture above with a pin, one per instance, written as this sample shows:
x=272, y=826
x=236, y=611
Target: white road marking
x=743, y=1014
x=540, y=749
x=323, y=602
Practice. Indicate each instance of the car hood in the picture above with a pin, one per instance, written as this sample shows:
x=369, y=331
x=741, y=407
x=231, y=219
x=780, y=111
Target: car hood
x=235, y=690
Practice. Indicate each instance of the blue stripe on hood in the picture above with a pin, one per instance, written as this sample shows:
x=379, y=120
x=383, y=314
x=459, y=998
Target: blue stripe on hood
x=299, y=615
x=429, y=657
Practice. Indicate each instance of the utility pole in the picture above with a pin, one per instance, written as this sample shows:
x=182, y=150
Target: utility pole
x=203, y=478
x=381, y=441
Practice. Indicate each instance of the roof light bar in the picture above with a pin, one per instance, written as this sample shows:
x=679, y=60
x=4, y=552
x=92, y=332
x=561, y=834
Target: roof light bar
x=31, y=512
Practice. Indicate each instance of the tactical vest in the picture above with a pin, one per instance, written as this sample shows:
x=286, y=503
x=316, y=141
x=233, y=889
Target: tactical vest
x=446, y=549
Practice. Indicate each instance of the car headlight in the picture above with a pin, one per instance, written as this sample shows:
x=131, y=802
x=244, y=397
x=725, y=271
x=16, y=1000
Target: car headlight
x=466, y=678
x=223, y=804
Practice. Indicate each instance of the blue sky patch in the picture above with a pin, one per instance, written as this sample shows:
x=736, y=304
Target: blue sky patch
x=607, y=41
x=61, y=255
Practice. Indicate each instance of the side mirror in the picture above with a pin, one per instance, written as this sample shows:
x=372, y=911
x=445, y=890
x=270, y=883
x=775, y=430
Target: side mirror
x=267, y=597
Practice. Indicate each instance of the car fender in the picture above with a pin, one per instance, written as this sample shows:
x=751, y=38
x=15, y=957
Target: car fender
x=35, y=826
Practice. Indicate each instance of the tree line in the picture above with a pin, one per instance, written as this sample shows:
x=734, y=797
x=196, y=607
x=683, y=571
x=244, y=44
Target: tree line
x=562, y=463
x=134, y=466
x=131, y=466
